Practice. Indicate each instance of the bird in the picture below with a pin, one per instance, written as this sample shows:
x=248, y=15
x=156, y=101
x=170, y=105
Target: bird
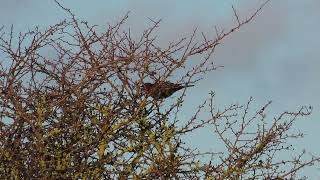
x=162, y=89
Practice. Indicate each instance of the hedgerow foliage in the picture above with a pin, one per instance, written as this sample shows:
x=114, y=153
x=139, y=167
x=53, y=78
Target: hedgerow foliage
x=72, y=107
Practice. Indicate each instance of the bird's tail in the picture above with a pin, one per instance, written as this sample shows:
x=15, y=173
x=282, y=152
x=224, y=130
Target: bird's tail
x=187, y=85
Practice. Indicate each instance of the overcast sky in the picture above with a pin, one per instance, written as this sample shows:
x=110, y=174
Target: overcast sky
x=275, y=57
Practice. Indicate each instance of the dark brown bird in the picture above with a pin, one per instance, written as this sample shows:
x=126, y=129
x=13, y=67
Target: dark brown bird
x=162, y=89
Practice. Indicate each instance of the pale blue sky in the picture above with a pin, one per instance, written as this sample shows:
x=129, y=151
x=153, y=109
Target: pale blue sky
x=275, y=57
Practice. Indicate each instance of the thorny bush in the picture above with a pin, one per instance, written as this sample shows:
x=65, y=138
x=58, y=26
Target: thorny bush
x=72, y=107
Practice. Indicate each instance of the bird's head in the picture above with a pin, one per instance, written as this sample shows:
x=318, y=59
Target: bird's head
x=147, y=86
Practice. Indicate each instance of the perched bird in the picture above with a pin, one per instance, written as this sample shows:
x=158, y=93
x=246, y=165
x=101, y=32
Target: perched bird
x=162, y=89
